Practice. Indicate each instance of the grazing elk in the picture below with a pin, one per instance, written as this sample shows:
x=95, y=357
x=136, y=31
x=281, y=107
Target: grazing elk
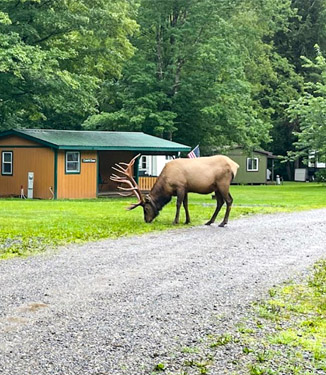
x=178, y=178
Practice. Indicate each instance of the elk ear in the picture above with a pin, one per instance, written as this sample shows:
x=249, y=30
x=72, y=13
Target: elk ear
x=134, y=206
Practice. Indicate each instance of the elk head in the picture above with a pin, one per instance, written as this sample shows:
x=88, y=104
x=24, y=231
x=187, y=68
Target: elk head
x=126, y=178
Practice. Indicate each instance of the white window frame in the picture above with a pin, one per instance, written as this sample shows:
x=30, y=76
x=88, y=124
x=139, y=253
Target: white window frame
x=72, y=171
x=3, y=163
x=252, y=169
x=144, y=160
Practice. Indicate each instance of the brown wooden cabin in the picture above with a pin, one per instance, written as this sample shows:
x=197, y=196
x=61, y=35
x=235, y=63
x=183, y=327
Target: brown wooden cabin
x=71, y=164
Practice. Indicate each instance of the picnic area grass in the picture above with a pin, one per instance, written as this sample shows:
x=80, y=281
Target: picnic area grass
x=30, y=226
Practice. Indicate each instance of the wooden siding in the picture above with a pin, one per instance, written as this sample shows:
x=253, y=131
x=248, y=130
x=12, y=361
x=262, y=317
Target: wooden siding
x=146, y=183
x=37, y=160
x=81, y=185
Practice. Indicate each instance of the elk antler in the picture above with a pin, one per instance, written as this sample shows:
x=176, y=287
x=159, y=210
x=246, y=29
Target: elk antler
x=126, y=170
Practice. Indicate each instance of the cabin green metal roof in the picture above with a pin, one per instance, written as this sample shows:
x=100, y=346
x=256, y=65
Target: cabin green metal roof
x=98, y=140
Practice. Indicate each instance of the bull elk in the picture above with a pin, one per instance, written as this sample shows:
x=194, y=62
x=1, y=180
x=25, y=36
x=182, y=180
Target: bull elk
x=178, y=178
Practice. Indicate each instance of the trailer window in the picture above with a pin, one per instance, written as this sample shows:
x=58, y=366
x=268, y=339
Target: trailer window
x=7, y=164
x=72, y=162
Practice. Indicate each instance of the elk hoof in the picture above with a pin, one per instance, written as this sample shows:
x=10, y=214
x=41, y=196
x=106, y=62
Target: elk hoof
x=222, y=225
x=175, y=222
x=208, y=223
x=187, y=222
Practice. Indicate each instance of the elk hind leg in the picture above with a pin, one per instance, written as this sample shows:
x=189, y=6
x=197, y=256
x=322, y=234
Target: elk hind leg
x=219, y=204
x=180, y=199
x=228, y=199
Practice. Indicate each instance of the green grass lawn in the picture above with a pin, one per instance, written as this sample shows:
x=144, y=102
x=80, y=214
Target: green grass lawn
x=28, y=226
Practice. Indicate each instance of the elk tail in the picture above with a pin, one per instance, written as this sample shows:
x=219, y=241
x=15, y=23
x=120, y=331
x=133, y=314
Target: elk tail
x=234, y=169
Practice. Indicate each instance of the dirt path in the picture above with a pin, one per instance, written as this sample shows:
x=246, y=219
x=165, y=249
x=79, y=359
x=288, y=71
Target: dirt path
x=123, y=306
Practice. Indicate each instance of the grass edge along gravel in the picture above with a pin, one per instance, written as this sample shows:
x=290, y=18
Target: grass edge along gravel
x=29, y=227
x=282, y=335
x=288, y=334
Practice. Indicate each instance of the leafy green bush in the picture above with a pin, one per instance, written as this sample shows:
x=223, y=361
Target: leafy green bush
x=321, y=175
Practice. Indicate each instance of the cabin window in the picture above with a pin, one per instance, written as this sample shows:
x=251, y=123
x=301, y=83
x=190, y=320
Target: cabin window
x=143, y=165
x=72, y=162
x=7, y=164
x=252, y=164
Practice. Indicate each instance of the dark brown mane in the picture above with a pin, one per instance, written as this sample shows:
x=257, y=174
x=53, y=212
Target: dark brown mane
x=158, y=194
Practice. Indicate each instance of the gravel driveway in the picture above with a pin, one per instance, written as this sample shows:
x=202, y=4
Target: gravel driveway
x=123, y=306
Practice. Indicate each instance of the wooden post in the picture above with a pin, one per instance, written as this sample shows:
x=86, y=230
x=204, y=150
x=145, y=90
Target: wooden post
x=136, y=170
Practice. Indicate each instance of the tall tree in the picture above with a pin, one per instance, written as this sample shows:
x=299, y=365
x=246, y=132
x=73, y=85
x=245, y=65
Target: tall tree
x=306, y=27
x=197, y=72
x=54, y=54
x=309, y=111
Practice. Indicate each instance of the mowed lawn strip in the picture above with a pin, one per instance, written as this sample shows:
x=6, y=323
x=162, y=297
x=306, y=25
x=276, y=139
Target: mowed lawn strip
x=30, y=226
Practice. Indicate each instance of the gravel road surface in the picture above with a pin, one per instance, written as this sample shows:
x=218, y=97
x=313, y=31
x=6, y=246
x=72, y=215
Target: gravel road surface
x=120, y=307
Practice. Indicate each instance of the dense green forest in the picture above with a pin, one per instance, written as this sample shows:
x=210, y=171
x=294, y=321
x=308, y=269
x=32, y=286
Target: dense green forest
x=213, y=72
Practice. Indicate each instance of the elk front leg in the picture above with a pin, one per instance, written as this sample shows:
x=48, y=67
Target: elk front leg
x=219, y=204
x=185, y=205
x=180, y=199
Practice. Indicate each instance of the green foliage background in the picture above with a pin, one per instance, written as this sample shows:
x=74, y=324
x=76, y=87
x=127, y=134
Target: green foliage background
x=211, y=72
x=54, y=56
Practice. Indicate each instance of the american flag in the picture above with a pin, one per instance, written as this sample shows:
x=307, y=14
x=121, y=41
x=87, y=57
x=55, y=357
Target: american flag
x=195, y=153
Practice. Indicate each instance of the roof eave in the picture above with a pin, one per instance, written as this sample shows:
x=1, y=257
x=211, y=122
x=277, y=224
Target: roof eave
x=28, y=137
x=122, y=148
x=22, y=134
